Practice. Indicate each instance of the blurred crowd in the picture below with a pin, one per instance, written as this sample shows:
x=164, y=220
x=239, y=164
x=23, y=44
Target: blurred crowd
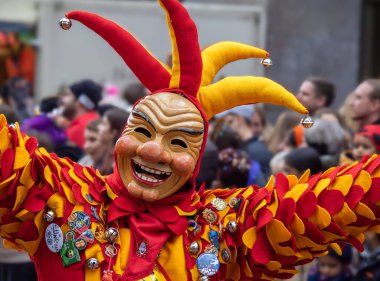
x=83, y=121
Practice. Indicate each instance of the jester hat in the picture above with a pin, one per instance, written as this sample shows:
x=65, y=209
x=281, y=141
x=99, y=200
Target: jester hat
x=193, y=70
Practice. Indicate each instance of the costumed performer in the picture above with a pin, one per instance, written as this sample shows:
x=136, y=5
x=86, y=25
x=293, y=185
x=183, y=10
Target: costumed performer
x=146, y=221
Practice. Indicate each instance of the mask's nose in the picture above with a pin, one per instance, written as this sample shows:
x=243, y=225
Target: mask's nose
x=154, y=152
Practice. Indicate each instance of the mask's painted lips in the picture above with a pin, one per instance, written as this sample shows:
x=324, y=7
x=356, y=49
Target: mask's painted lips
x=149, y=175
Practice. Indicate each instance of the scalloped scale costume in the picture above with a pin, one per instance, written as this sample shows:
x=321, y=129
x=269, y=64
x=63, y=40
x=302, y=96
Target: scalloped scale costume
x=167, y=230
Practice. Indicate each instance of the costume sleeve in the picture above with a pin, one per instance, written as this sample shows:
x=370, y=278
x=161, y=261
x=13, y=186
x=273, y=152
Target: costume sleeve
x=291, y=221
x=32, y=181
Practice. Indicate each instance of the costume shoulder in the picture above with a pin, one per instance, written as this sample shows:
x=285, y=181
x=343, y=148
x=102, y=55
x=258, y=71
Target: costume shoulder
x=34, y=182
x=265, y=232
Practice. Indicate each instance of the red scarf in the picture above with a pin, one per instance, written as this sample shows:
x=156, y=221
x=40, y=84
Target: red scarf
x=150, y=222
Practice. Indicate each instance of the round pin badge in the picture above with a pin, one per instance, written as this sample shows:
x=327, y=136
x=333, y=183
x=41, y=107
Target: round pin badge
x=80, y=243
x=226, y=256
x=54, y=237
x=208, y=264
x=79, y=221
x=209, y=215
x=219, y=204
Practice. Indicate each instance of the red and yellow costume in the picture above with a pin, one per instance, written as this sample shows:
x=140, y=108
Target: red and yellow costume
x=164, y=226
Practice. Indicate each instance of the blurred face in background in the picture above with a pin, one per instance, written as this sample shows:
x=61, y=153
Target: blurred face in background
x=330, y=266
x=67, y=104
x=233, y=121
x=308, y=97
x=362, y=146
x=93, y=145
x=288, y=169
x=257, y=124
x=106, y=133
x=360, y=103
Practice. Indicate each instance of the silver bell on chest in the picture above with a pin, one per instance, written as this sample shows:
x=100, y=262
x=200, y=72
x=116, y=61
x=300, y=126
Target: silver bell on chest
x=49, y=215
x=111, y=234
x=92, y=263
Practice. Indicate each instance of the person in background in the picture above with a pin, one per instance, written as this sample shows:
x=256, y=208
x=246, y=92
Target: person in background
x=93, y=147
x=236, y=169
x=112, y=96
x=9, y=113
x=315, y=93
x=365, y=103
x=15, y=265
x=209, y=165
x=277, y=163
x=328, y=137
x=333, y=266
x=284, y=124
x=239, y=120
x=261, y=127
x=78, y=104
x=20, y=60
x=222, y=135
x=109, y=129
x=132, y=93
x=301, y=159
x=366, y=142
x=44, y=127
x=16, y=93
x=369, y=265
x=345, y=114
x=44, y=121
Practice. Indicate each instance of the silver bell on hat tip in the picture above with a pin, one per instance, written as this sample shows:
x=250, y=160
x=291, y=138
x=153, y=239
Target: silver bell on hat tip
x=267, y=62
x=49, y=215
x=65, y=23
x=307, y=122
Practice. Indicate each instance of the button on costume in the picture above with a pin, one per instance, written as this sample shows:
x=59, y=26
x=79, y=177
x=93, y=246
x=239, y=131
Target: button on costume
x=146, y=221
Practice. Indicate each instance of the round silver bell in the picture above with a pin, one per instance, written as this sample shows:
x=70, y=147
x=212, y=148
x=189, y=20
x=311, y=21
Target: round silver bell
x=231, y=226
x=92, y=263
x=307, y=122
x=65, y=23
x=111, y=234
x=267, y=62
x=194, y=248
x=49, y=215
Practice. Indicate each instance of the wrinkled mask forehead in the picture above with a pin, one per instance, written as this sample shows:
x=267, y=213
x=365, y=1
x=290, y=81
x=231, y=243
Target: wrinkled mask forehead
x=169, y=111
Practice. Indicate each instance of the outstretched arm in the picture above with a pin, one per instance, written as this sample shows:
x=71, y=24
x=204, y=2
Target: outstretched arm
x=32, y=181
x=292, y=220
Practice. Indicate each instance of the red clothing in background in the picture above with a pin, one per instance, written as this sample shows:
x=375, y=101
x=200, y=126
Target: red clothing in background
x=75, y=132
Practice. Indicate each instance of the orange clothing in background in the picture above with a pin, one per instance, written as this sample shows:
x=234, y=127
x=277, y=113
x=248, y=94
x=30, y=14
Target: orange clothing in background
x=24, y=65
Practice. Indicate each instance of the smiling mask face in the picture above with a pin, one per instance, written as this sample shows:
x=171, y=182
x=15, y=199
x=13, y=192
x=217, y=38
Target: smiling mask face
x=160, y=147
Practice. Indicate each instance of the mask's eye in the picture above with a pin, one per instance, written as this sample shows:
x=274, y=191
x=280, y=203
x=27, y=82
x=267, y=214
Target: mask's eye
x=179, y=142
x=143, y=131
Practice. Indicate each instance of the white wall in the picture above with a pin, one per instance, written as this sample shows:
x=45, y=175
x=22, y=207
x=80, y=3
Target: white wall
x=18, y=11
x=67, y=56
